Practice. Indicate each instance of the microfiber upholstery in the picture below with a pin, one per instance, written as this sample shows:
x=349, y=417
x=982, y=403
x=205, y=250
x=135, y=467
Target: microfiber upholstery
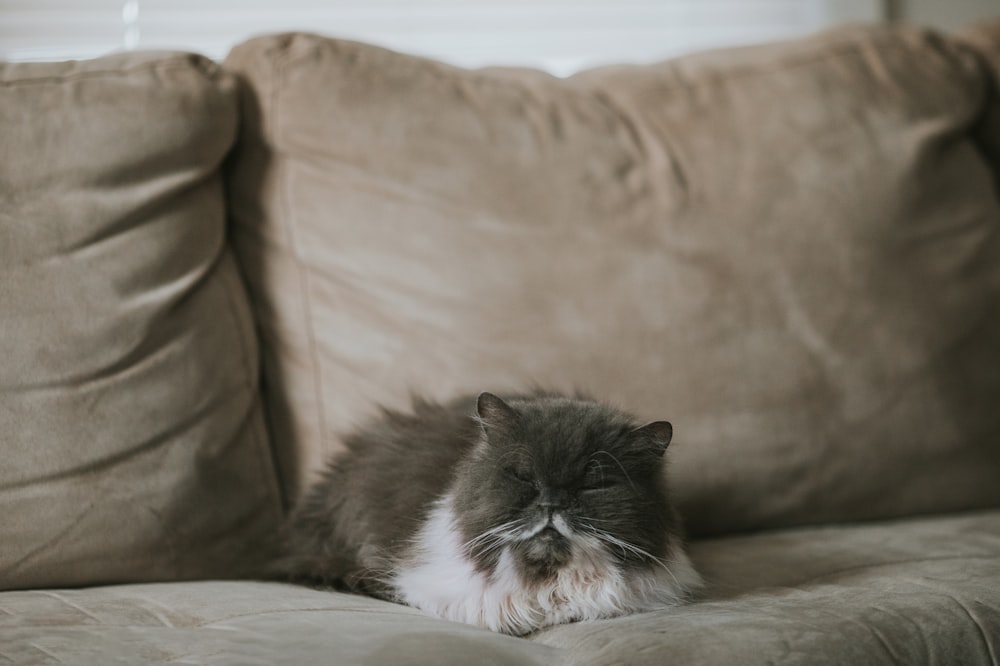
x=791, y=251
x=131, y=431
x=918, y=591
x=984, y=38
x=241, y=622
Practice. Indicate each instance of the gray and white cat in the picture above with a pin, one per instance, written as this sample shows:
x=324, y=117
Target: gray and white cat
x=507, y=514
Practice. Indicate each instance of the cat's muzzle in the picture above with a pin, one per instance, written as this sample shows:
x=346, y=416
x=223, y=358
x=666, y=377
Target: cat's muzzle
x=548, y=543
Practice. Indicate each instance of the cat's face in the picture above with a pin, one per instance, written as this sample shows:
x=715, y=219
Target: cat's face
x=556, y=479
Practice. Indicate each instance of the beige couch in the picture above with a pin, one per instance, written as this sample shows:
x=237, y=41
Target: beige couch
x=208, y=273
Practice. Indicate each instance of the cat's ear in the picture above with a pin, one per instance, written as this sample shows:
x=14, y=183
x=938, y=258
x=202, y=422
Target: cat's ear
x=494, y=413
x=657, y=434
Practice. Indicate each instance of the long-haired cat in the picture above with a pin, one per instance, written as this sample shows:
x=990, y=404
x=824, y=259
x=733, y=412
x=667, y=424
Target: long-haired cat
x=508, y=514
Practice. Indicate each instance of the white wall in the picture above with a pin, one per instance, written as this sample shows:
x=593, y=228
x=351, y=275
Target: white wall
x=560, y=35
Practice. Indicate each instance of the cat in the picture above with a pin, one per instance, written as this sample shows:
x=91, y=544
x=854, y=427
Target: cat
x=510, y=514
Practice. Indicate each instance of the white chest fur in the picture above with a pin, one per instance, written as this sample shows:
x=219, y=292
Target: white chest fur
x=440, y=579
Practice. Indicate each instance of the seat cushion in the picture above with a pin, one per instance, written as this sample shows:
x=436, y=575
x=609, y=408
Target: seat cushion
x=920, y=591
x=792, y=252
x=133, y=441
x=218, y=622
x=913, y=592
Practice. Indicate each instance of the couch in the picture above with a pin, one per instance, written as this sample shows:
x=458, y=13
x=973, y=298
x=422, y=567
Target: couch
x=209, y=272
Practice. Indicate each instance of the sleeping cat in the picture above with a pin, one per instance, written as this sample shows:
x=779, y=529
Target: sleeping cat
x=507, y=514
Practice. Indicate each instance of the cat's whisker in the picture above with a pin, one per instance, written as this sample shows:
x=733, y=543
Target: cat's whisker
x=613, y=542
x=508, y=526
x=490, y=539
x=486, y=546
x=629, y=547
x=493, y=538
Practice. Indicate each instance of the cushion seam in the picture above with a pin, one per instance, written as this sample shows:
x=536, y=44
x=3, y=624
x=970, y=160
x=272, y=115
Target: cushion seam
x=287, y=214
x=246, y=337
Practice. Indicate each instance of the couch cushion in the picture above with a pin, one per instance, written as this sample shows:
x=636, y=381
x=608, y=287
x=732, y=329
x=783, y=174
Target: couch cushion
x=984, y=37
x=790, y=251
x=915, y=592
x=132, y=435
x=907, y=592
x=216, y=622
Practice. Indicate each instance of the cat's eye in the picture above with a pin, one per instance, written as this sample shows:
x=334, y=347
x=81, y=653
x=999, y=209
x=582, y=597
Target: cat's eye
x=519, y=476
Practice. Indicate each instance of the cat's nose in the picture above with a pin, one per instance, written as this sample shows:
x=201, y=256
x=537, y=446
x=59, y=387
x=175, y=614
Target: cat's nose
x=548, y=499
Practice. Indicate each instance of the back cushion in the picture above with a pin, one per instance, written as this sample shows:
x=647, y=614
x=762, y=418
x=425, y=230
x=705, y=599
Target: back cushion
x=792, y=252
x=984, y=37
x=130, y=425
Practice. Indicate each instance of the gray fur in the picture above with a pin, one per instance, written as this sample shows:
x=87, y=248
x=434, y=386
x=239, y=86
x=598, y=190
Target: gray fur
x=520, y=458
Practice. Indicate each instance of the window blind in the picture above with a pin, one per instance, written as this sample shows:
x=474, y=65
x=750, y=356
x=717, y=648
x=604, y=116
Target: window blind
x=559, y=35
